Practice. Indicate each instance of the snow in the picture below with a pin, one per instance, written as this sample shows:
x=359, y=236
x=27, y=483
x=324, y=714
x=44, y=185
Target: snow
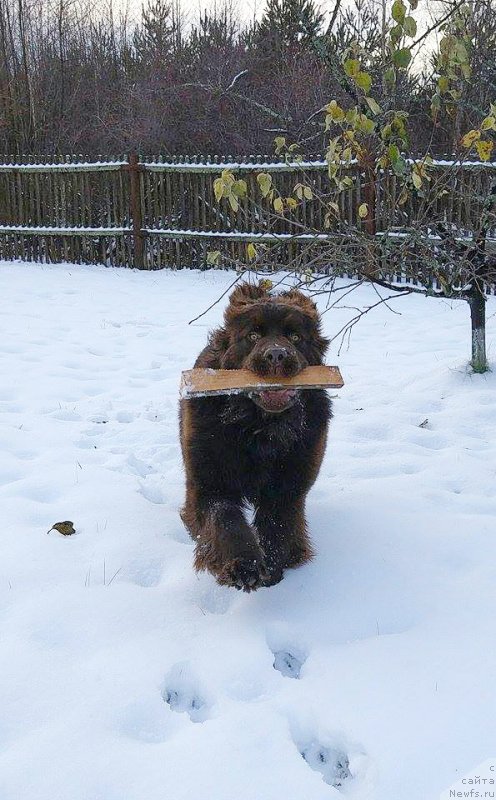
x=66, y=166
x=211, y=166
x=127, y=676
x=50, y=230
x=275, y=166
x=175, y=233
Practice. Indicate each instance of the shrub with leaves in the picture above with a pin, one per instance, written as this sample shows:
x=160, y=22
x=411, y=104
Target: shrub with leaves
x=370, y=158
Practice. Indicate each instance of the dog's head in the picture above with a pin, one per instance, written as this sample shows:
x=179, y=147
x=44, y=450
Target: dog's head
x=272, y=335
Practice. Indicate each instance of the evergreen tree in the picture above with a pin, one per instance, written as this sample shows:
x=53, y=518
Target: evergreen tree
x=214, y=30
x=289, y=24
x=155, y=37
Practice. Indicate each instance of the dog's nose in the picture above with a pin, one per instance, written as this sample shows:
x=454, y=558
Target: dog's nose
x=275, y=354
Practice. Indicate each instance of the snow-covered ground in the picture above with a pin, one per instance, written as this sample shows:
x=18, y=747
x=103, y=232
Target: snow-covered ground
x=125, y=676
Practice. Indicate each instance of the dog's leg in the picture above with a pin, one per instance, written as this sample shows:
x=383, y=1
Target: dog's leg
x=226, y=545
x=282, y=532
x=280, y=518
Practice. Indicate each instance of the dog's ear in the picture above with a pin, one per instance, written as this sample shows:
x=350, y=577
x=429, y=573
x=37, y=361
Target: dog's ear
x=306, y=305
x=247, y=293
x=219, y=340
x=299, y=300
x=211, y=356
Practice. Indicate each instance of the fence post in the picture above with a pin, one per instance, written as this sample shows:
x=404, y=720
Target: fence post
x=370, y=220
x=134, y=169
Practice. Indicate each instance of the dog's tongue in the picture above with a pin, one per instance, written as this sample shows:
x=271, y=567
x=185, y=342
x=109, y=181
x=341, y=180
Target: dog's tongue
x=277, y=397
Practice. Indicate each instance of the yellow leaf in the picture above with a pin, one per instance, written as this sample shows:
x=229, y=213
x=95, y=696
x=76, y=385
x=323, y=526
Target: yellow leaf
x=366, y=124
x=373, y=105
x=334, y=111
x=484, y=149
x=279, y=142
x=218, y=188
x=351, y=115
x=386, y=132
x=364, y=81
x=233, y=202
x=363, y=211
x=417, y=180
x=213, y=257
x=266, y=284
x=264, y=181
x=240, y=188
x=298, y=190
x=351, y=67
x=332, y=170
x=307, y=192
x=470, y=137
x=398, y=11
x=251, y=251
x=291, y=203
x=461, y=52
x=443, y=84
x=278, y=205
x=410, y=27
x=488, y=123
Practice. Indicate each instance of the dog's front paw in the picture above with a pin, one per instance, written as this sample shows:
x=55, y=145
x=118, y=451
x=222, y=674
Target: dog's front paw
x=274, y=576
x=247, y=574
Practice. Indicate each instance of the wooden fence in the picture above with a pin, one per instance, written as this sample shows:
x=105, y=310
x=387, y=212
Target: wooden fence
x=156, y=213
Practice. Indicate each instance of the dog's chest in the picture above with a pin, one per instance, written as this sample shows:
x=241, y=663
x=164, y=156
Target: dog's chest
x=264, y=452
x=262, y=449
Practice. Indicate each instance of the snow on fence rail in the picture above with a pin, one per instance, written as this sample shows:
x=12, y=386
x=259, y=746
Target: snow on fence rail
x=162, y=213
x=207, y=167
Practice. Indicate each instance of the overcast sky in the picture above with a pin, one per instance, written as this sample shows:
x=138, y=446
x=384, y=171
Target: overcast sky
x=426, y=12
x=247, y=9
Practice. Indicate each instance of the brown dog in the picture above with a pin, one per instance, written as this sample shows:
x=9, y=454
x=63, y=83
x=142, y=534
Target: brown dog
x=262, y=449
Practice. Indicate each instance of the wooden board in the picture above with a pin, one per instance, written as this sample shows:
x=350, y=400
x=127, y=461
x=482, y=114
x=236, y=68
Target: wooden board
x=210, y=382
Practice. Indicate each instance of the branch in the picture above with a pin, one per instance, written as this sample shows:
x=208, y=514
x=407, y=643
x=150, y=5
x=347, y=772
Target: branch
x=216, y=301
x=437, y=23
x=236, y=79
x=217, y=90
x=334, y=17
x=348, y=327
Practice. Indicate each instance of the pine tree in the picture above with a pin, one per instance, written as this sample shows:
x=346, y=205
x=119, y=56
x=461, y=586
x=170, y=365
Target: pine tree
x=215, y=30
x=289, y=24
x=155, y=37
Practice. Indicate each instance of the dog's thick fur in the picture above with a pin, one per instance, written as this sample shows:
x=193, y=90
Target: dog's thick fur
x=238, y=453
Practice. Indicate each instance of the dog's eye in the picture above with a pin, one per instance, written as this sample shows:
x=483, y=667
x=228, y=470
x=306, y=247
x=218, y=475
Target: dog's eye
x=254, y=335
x=295, y=337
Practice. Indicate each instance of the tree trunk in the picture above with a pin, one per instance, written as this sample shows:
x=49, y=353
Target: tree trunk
x=477, y=303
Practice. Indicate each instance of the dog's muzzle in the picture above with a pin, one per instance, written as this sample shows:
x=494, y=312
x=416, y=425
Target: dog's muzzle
x=275, y=400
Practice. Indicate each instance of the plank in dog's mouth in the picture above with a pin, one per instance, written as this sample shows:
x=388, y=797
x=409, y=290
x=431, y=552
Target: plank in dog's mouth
x=275, y=400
